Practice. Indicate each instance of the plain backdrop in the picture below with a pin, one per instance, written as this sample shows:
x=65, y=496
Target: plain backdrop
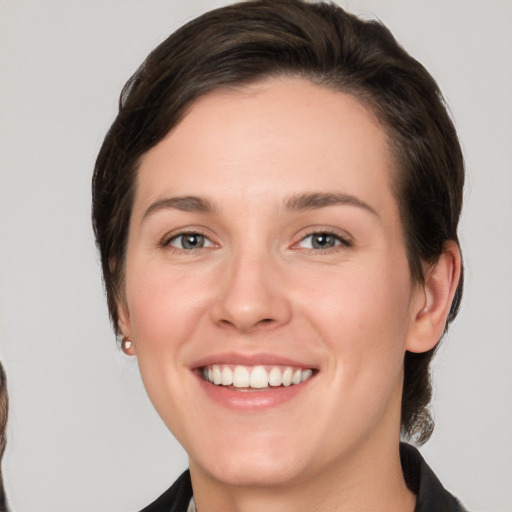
x=82, y=434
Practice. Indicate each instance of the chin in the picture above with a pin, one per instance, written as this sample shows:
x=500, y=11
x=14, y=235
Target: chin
x=253, y=465
x=263, y=472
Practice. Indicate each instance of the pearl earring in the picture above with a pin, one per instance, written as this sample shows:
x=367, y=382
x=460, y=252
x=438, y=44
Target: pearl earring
x=126, y=345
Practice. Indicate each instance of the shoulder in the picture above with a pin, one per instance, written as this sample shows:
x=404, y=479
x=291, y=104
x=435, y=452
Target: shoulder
x=175, y=499
x=431, y=495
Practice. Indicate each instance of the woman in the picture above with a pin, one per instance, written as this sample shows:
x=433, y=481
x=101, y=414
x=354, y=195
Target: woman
x=276, y=208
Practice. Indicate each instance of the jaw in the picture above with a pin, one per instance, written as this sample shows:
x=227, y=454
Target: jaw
x=285, y=439
x=270, y=473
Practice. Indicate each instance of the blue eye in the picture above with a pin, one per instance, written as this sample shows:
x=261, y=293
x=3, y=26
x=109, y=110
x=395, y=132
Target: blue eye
x=189, y=241
x=322, y=241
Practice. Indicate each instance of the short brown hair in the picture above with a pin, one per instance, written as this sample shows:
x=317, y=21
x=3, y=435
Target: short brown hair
x=321, y=42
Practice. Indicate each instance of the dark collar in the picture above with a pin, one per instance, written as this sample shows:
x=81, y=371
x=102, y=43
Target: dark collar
x=176, y=498
x=431, y=495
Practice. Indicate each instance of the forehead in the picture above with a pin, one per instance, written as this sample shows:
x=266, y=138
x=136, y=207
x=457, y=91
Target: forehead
x=274, y=137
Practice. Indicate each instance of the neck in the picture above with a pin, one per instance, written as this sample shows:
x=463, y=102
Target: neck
x=369, y=480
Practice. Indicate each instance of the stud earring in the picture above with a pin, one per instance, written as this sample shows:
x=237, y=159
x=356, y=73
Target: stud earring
x=126, y=345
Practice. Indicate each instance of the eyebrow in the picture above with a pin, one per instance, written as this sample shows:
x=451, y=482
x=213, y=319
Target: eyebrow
x=183, y=203
x=316, y=200
x=299, y=202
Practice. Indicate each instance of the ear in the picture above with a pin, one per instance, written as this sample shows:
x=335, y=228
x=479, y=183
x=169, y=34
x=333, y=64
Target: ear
x=124, y=326
x=433, y=299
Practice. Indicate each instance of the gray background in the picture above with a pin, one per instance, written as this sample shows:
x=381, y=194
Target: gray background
x=82, y=434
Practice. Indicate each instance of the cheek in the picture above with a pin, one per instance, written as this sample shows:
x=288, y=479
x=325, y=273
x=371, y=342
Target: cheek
x=165, y=308
x=163, y=305
x=362, y=314
x=363, y=298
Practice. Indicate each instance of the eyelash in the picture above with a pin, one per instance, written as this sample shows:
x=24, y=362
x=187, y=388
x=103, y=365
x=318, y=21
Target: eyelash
x=166, y=242
x=339, y=241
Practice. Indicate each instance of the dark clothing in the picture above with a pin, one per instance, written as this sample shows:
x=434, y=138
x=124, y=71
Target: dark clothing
x=431, y=495
x=175, y=499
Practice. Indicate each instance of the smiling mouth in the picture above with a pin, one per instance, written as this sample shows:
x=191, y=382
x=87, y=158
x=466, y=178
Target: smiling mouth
x=261, y=378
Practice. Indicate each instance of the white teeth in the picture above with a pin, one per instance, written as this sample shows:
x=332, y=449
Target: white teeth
x=274, y=377
x=306, y=374
x=257, y=377
x=217, y=375
x=287, y=376
x=227, y=376
x=241, y=377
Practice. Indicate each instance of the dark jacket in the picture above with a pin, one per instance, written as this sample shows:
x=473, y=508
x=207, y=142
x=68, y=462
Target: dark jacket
x=431, y=495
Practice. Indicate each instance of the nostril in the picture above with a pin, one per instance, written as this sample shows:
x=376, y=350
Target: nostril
x=247, y=326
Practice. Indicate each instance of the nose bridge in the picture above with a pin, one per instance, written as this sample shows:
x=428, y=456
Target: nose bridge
x=251, y=295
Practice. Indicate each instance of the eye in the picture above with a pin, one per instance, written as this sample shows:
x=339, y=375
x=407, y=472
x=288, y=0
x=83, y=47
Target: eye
x=322, y=241
x=189, y=241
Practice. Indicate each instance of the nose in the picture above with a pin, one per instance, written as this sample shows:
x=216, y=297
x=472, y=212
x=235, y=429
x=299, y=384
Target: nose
x=252, y=295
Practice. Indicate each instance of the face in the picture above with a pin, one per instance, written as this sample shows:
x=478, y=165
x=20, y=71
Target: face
x=268, y=292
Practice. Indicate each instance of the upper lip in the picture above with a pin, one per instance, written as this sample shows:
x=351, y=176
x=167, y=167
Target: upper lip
x=256, y=359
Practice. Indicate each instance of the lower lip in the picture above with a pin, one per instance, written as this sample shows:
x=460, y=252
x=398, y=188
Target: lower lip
x=253, y=400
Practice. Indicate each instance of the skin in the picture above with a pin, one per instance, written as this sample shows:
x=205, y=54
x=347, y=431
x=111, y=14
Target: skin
x=259, y=285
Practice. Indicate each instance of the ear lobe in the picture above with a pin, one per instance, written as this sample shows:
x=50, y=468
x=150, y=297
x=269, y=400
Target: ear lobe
x=124, y=326
x=434, y=299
